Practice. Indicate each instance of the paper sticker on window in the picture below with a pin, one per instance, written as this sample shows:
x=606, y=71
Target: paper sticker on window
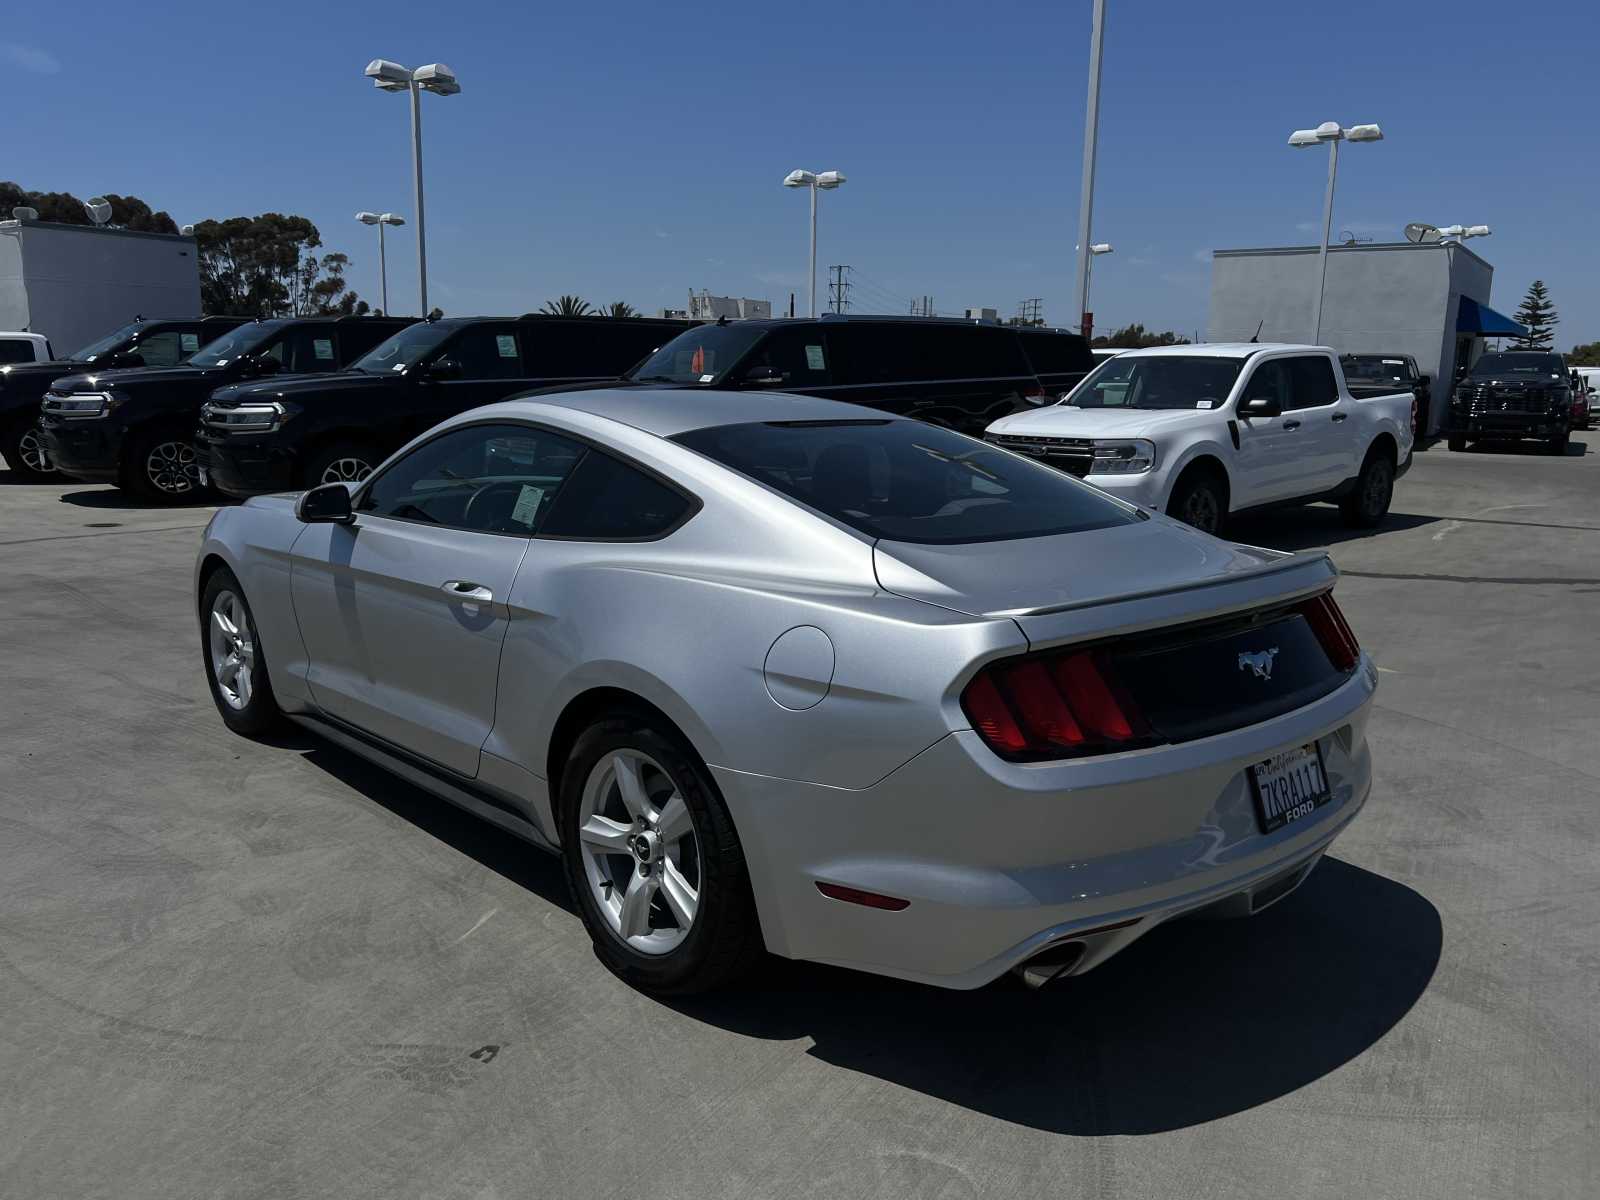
x=707, y=378
x=189, y=342
x=814, y=359
x=506, y=344
x=527, y=506
x=1202, y=403
x=322, y=348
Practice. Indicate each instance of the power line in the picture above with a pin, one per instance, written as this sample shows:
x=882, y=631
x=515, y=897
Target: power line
x=1030, y=311
x=839, y=288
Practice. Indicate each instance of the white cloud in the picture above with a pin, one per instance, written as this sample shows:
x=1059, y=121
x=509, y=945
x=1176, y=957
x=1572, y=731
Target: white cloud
x=29, y=58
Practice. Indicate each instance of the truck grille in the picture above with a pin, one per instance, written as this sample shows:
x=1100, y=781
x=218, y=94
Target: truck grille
x=1072, y=455
x=1511, y=400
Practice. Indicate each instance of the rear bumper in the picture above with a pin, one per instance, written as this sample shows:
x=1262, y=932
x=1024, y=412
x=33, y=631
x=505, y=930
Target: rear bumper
x=86, y=449
x=1000, y=860
x=242, y=468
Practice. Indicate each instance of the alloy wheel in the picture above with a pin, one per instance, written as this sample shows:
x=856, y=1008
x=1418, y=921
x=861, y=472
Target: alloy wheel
x=233, y=649
x=31, y=450
x=641, y=855
x=171, y=468
x=346, y=470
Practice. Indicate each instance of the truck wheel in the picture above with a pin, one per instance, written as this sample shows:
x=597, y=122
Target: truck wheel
x=342, y=462
x=160, y=467
x=24, y=454
x=1558, y=445
x=1457, y=443
x=1366, y=506
x=1200, y=499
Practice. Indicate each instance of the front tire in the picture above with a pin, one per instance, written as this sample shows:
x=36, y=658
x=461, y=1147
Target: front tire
x=1457, y=443
x=1200, y=499
x=655, y=865
x=236, y=669
x=1368, y=504
x=1558, y=445
x=25, y=455
x=160, y=467
x=341, y=462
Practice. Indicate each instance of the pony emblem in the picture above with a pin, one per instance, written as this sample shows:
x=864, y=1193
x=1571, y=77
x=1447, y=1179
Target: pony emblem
x=1259, y=661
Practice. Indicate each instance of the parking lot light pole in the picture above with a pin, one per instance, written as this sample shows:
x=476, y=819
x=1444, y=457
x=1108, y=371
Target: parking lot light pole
x=826, y=181
x=1095, y=251
x=380, y=220
x=1332, y=133
x=441, y=81
x=1091, y=142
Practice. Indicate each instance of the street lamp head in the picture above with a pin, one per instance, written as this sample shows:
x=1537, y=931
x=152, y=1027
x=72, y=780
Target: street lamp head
x=437, y=78
x=390, y=76
x=1364, y=133
x=1304, y=137
x=1329, y=131
x=799, y=179
x=367, y=218
x=830, y=179
x=1100, y=248
x=391, y=219
x=1477, y=231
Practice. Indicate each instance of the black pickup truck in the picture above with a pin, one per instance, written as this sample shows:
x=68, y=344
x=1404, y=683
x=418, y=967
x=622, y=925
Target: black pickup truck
x=163, y=342
x=1512, y=395
x=134, y=428
x=1385, y=374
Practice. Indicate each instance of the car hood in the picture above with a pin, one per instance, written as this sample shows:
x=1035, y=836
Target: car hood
x=296, y=387
x=1063, y=420
x=45, y=371
x=135, y=377
x=1068, y=570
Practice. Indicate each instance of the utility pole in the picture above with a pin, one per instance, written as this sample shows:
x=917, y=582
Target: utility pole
x=839, y=288
x=1031, y=311
x=1091, y=137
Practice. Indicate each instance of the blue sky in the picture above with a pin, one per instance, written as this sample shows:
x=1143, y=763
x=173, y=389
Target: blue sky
x=634, y=151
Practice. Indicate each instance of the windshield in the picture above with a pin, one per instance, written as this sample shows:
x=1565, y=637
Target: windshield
x=244, y=340
x=1374, y=368
x=907, y=481
x=111, y=341
x=405, y=349
x=1523, y=364
x=1160, y=381
x=704, y=354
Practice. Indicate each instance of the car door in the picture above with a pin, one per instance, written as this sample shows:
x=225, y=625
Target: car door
x=403, y=611
x=479, y=365
x=1326, y=450
x=1269, y=464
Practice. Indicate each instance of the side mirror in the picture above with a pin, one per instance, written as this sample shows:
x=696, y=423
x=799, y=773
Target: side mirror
x=446, y=368
x=1262, y=406
x=762, y=375
x=327, y=504
x=1424, y=380
x=262, y=365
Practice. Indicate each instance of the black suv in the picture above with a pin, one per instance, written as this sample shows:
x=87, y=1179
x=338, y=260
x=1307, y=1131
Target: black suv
x=1512, y=395
x=283, y=434
x=960, y=374
x=134, y=427
x=1383, y=374
x=140, y=343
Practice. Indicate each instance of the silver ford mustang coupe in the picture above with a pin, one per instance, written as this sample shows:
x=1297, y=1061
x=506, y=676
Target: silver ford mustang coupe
x=777, y=673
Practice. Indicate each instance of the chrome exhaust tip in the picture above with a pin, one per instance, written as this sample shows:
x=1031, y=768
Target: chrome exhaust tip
x=1049, y=964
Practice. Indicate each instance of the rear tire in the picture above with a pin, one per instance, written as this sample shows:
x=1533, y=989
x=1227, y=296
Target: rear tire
x=1457, y=443
x=236, y=668
x=341, y=462
x=24, y=454
x=1368, y=504
x=1200, y=499
x=159, y=467
x=639, y=811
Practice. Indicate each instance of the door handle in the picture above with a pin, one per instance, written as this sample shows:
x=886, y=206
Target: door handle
x=461, y=589
x=1291, y=424
x=1337, y=417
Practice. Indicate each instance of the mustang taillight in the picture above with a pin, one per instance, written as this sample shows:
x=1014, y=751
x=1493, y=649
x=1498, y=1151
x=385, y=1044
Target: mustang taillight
x=1328, y=623
x=1056, y=705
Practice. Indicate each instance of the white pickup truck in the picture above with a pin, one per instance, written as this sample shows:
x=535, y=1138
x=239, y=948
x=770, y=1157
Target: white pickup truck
x=1201, y=432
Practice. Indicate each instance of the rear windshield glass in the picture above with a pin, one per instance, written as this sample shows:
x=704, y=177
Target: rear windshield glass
x=909, y=482
x=701, y=355
x=1160, y=381
x=1519, y=364
x=1374, y=368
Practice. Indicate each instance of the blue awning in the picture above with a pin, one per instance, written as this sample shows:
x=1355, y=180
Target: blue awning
x=1480, y=318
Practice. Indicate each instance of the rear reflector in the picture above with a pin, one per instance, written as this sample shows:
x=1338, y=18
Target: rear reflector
x=1332, y=631
x=850, y=895
x=1053, y=705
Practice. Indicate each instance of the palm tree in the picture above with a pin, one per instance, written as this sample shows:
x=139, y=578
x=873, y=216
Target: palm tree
x=619, y=308
x=566, y=306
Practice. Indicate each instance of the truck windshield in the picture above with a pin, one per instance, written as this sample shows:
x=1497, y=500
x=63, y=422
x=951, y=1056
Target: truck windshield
x=1523, y=364
x=244, y=340
x=112, y=341
x=405, y=349
x=704, y=354
x=1160, y=381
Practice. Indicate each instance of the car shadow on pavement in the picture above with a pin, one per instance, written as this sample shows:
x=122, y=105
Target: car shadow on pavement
x=1196, y=1021
x=1312, y=526
x=109, y=497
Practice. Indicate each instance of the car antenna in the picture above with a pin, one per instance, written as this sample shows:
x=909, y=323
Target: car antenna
x=1256, y=336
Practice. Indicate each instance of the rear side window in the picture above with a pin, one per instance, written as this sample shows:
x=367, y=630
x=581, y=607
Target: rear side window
x=1056, y=353
x=605, y=499
x=870, y=352
x=908, y=481
x=15, y=350
x=599, y=349
x=1311, y=382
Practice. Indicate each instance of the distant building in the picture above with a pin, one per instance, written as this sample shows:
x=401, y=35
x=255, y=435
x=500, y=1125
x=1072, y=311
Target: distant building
x=703, y=306
x=1428, y=300
x=983, y=314
x=74, y=283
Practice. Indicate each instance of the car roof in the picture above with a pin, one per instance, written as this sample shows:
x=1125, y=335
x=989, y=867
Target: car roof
x=1222, y=350
x=667, y=412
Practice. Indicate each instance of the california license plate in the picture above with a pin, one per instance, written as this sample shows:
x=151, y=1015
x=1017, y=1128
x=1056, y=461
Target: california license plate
x=1289, y=786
